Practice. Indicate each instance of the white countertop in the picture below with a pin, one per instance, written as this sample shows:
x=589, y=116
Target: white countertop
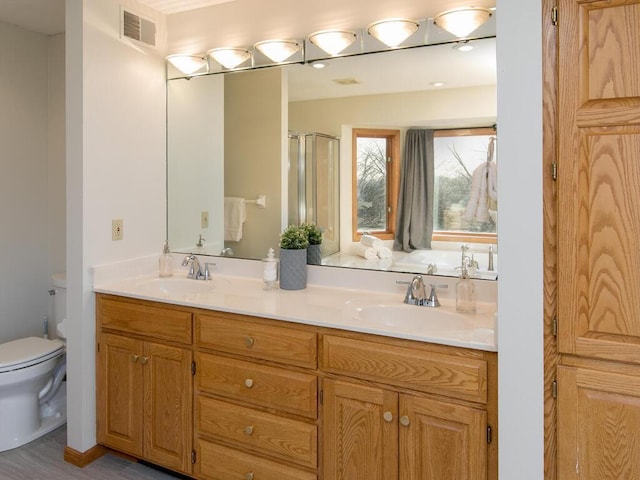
x=347, y=309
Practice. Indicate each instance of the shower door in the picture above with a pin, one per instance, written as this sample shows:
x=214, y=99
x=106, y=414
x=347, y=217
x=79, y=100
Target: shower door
x=314, y=185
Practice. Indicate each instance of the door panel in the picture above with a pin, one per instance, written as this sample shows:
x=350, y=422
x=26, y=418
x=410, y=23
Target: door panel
x=360, y=434
x=599, y=179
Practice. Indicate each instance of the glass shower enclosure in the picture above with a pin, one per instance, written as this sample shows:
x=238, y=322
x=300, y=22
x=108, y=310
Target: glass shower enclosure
x=313, y=184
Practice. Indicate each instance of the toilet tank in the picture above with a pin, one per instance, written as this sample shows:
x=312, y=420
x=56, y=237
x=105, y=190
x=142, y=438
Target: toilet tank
x=59, y=304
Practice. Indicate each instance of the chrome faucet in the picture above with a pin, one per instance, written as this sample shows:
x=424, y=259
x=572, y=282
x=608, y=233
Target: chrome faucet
x=226, y=252
x=195, y=271
x=417, y=293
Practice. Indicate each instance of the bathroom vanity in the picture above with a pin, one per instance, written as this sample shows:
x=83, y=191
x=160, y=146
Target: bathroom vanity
x=200, y=383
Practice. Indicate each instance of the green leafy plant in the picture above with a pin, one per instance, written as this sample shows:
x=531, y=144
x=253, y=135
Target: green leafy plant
x=314, y=234
x=294, y=238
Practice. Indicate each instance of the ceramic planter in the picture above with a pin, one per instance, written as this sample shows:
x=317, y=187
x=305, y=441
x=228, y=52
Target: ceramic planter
x=293, y=269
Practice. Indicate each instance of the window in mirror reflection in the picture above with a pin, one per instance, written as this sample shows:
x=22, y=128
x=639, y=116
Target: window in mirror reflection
x=465, y=197
x=376, y=167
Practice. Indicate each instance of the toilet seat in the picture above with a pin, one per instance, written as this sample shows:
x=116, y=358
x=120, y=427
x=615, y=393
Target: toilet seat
x=26, y=352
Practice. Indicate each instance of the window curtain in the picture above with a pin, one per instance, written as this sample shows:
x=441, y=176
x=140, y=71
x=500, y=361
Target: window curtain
x=414, y=218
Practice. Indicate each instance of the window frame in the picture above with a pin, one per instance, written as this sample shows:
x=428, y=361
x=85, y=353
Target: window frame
x=459, y=236
x=393, y=178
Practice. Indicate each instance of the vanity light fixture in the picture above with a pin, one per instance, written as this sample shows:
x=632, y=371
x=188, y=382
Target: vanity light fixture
x=392, y=32
x=189, y=64
x=463, y=46
x=462, y=21
x=230, y=57
x=277, y=50
x=332, y=41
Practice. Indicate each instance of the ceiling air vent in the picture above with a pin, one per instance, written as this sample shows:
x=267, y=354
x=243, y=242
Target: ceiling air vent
x=138, y=28
x=347, y=81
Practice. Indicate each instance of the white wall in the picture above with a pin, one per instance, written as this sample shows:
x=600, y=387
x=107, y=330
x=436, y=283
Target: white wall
x=520, y=288
x=116, y=169
x=32, y=227
x=56, y=204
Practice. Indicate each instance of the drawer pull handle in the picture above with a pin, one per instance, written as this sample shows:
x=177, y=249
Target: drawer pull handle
x=134, y=357
x=248, y=383
x=248, y=430
x=388, y=416
x=144, y=360
x=248, y=476
x=249, y=341
x=404, y=421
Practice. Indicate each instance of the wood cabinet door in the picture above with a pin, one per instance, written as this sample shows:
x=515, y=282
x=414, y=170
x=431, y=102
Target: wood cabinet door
x=167, y=406
x=599, y=425
x=599, y=179
x=120, y=395
x=360, y=432
x=441, y=441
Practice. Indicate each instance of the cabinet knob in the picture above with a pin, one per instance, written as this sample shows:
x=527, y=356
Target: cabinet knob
x=248, y=476
x=404, y=421
x=388, y=416
x=134, y=357
x=144, y=360
x=249, y=341
x=248, y=430
x=248, y=383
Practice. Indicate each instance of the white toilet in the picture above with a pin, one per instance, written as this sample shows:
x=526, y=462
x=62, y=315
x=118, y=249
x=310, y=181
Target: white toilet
x=32, y=388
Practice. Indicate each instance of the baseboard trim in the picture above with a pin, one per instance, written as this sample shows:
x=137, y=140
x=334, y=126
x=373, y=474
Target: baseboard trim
x=82, y=459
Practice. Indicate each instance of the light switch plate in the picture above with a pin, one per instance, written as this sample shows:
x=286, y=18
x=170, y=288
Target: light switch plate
x=204, y=219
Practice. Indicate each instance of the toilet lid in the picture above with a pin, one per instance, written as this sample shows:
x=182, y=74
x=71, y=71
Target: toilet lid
x=25, y=352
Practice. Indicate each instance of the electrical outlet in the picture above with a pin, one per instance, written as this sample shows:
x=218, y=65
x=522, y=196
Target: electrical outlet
x=116, y=229
x=204, y=219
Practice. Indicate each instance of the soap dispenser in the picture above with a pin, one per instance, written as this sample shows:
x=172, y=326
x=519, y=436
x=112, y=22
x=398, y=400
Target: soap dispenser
x=269, y=270
x=465, y=290
x=166, y=262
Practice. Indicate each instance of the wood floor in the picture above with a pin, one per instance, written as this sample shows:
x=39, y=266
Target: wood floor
x=42, y=460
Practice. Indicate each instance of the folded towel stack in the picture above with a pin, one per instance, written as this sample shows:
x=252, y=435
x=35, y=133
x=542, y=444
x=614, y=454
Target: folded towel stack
x=372, y=248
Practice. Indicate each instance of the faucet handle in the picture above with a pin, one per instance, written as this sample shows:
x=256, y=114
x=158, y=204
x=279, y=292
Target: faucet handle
x=433, y=301
x=207, y=272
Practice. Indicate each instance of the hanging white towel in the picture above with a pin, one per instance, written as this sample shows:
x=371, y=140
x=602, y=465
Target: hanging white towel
x=235, y=213
x=483, y=188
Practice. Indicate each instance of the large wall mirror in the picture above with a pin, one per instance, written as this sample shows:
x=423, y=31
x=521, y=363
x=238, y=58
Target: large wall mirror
x=252, y=151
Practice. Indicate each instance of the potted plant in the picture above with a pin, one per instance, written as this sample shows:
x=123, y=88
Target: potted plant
x=314, y=235
x=293, y=258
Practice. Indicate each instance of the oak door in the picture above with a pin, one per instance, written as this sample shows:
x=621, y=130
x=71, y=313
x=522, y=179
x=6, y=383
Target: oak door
x=599, y=179
x=360, y=432
x=441, y=440
x=120, y=394
x=167, y=406
x=599, y=424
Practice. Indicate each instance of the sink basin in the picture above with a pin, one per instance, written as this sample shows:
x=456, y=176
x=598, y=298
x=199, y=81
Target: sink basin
x=436, y=323
x=387, y=316
x=173, y=286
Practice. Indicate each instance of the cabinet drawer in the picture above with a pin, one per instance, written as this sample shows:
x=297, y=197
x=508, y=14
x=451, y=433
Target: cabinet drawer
x=216, y=462
x=273, y=387
x=431, y=372
x=268, y=342
x=288, y=439
x=156, y=322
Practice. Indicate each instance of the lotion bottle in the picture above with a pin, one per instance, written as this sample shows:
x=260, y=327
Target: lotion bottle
x=465, y=291
x=166, y=262
x=269, y=270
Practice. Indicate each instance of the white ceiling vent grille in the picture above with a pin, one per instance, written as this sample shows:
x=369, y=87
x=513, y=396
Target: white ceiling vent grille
x=137, y=28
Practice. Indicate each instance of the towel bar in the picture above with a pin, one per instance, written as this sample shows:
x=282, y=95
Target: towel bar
x=261, y=201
